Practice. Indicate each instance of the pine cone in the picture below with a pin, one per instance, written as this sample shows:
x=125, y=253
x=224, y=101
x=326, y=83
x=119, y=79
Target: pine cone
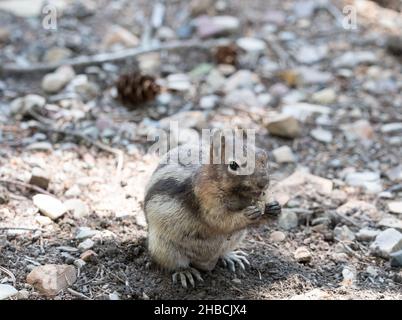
x=226, y=54
x=135, y=88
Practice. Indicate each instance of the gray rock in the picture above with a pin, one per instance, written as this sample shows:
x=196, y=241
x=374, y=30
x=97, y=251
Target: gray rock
x=288, y=220
x=7, y=291
x=352, y=59
x=367, y=179
x=49, y=206
x=395, y=173
x=387, y=242
x=284, y=126
x=283, y=155
x=391, y=222
x=395, y=207
x=321, y=135
x=344, y=234
x=396, y=259
x=366, y=234
x=86, y=245
x=85, y=232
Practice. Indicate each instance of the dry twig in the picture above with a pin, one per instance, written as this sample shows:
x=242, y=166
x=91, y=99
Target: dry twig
x=83, y=61
x=25, y=185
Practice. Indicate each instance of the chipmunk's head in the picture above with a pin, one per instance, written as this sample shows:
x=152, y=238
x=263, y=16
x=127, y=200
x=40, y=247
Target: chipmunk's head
x=240, y=166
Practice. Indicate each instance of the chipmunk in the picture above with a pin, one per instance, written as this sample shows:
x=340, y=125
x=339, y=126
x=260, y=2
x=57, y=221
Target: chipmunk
x=197, y=213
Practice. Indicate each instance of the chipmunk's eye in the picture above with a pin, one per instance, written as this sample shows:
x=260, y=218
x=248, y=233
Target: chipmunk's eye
x=233, y=165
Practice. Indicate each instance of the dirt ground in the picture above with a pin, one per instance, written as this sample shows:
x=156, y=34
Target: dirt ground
x=79, y=170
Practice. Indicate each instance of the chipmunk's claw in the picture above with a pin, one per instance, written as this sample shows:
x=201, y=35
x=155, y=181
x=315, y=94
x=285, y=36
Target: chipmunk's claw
x=236, y=257
x=185, y=275
x=273, y=208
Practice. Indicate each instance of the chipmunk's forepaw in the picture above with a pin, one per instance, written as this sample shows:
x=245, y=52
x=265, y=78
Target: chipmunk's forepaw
x=187, y=275
x=273, y=208
x=235, y=257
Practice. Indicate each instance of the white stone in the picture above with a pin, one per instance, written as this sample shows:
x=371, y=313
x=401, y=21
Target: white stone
x=7, y=291
x=352, y=59
x=49, y=206
x=395, y=207
x=178, y=82
x=54, y=82
x=321, y=135
x=325, y=96
x=86, y=245
x=251, y=44
x=391, y=127
x=302, y=110
x=283, y=154
x=209, y=102
x=387, y=242
x=22, y=8
x=311, y=54
x=367, y=179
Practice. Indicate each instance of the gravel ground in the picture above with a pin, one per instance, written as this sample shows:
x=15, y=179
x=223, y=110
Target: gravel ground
x=341, y=86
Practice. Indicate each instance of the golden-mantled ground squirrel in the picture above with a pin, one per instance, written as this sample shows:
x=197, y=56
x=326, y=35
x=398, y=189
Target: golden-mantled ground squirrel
x=197, y=213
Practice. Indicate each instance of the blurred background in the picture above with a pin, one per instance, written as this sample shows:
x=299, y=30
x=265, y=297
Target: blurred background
x=84, y=83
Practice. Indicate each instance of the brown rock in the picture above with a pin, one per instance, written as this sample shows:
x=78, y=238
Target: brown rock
x=284, y=126
x=39, y=178
x=51, y=279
